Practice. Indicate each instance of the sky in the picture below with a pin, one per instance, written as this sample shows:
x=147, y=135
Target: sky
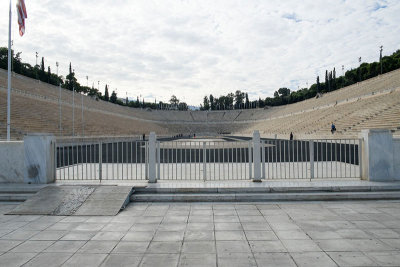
x=193, y=48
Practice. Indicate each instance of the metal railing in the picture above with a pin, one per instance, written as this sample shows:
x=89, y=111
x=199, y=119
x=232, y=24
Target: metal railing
x=204, y=160
x=102, y=160
x=128, y=159
x=309, y=159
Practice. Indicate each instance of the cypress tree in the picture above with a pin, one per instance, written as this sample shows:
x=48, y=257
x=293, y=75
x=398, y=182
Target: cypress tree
x=106, y=95
x=326, y=80
x=334, y=87
x=318, y=85
x=48, y=74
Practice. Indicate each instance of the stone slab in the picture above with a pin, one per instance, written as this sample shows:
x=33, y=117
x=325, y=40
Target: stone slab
x=12, y=163
x=105, y=201
x=76, y=200
x=54, y=200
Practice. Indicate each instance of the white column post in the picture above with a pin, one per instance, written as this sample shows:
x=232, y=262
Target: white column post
x=39, y=158
x=152, y=158
x=256, y=157
x=378, y=154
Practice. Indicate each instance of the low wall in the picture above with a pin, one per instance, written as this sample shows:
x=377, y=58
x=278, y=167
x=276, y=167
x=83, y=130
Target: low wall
x=12, y=165
x=396, y=158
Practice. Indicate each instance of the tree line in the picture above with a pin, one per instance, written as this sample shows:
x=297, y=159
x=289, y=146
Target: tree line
x=284, y=96
x=237, y=100
x=40, y=72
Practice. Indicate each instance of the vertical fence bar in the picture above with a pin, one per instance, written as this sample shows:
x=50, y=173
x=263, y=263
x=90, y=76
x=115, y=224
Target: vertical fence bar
x=204, y=162
x=100, y=161
x=159, y=159
x=311, y=159
x=263, y=159
x=249, y=155
x=359, y=157
x=354, y=158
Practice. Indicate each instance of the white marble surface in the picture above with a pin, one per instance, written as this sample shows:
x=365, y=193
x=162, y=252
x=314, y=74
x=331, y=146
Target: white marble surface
x=396, y=158
x=378, y=155
x=39, y=159
x=12, y=162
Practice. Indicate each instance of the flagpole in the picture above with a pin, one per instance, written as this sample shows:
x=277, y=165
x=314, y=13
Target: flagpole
x=9, y=77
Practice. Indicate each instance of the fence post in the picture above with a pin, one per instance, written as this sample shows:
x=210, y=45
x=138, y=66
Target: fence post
x=204, y=162
x=152, y=158
x=256, y=157
x=158, y=159
x=312, y=159
x=360, y=141
x=100, y=161
x=250, y=161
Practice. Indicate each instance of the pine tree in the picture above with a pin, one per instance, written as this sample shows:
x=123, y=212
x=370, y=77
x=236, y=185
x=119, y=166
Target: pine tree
x=326, y=80
x=113, y=97
x=48, y=74
x=42, y=65
x=106, y=95
x=330, y=81
x=334, y=87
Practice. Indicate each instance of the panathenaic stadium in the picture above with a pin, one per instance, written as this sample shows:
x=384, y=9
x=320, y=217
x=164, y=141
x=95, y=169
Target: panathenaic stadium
x=374, y=103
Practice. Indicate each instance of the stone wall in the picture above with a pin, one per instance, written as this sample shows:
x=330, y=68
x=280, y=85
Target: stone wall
x=12, y=166
x=396, y=158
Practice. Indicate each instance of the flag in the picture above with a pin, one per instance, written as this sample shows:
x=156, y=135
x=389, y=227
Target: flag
x=22, y=15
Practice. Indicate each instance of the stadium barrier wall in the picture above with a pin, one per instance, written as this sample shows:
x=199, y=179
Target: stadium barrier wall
x=12, y=166
x=396, y=158
x=39, y=159
x=381, y=152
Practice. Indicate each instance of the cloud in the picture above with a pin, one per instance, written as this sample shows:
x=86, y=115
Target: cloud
x=197, y=48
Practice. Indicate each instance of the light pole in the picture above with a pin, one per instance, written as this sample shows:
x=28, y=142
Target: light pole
x=59, y=100
x=380, y=58
x=36, y=57
x=73, y=107
x=343, y=76
x=83, y=124
x=359, y=68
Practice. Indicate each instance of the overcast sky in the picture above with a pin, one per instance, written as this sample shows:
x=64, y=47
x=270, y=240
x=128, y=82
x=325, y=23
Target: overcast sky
x=194, y=48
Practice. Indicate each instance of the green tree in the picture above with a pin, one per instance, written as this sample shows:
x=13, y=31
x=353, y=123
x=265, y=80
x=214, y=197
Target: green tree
x=239, y=96
x=48, y=74
x=106, y=94
x=70, y=81
x=113, y=97
x=212, y=102
x=174, y=100
x=247, y=105
x=206, y=103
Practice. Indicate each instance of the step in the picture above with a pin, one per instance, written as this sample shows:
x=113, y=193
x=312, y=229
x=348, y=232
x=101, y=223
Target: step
x=21, y=197
x=227, y=197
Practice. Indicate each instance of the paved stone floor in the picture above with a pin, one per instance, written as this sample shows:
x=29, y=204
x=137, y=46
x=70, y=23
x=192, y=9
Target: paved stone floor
x=203, y=234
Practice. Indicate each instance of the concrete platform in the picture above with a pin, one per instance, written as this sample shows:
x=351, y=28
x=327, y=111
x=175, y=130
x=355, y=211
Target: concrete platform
x=350, y=233
x=75, y=200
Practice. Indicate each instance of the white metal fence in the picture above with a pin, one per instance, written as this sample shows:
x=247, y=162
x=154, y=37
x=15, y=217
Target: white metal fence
x=102, y=160
x=204, y=160
x=128, y=159
x=308, y=159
